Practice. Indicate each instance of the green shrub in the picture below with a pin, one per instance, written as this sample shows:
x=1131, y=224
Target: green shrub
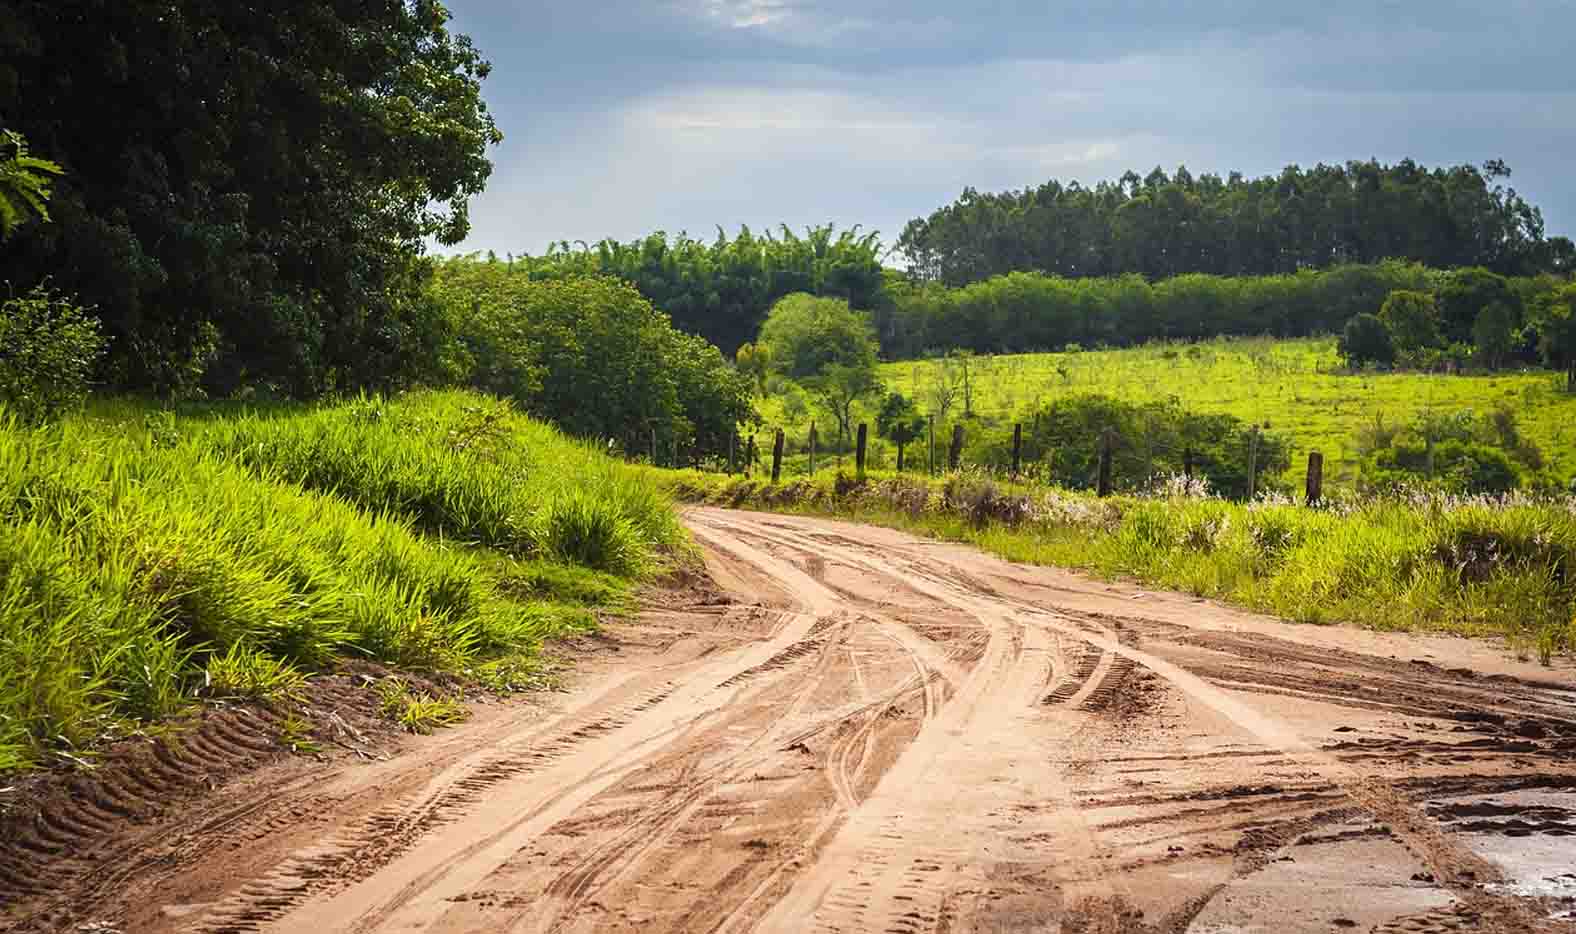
x=48, y=348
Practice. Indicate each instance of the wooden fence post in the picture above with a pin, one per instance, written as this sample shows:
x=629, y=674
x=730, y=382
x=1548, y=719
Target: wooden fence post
x=812, y=448
x=1253, y=463
x=900, y=446
x=955, y=453
x=1017, y=449
x=1315, y=488
x=1187, y=463
x=859, y=451
x=1103, y=481
x=777, y=457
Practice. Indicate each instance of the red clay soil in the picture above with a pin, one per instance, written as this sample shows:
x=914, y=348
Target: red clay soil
x=852, y=729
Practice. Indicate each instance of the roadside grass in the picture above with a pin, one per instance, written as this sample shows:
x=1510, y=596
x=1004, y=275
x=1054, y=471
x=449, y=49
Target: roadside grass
x=1297, y=386
x=148, y=558
x=1427, y=562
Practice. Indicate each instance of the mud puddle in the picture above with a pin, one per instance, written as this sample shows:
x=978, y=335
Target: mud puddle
x=1529, y=835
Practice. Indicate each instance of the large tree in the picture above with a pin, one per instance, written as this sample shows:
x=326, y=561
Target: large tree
x=248, y=186
x=828, y=348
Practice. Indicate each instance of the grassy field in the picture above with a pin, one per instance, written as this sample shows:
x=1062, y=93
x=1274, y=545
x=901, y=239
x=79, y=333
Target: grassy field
x=1295, y=386
x=150, y=559
x=1470, y=566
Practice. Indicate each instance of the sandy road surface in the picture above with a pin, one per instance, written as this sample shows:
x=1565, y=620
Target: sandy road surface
x=876, y=733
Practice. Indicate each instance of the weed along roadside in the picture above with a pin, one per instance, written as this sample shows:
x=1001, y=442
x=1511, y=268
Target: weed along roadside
x=161, y=562
x=1485, y=566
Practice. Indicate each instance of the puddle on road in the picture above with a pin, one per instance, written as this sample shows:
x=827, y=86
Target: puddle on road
x=1530, y=835
x=1348, y=876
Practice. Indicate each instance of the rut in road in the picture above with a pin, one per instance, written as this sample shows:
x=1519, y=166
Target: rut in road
x=886, y=734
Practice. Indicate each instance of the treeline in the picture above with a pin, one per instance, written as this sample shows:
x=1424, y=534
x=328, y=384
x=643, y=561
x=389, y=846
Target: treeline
x=242, y=195
x=1161, y=226
x=1023, y=312
x=723, y=289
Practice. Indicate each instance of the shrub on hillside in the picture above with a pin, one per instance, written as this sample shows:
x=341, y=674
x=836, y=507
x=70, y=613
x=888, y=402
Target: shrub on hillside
x=48, y=348
x=1365, y=340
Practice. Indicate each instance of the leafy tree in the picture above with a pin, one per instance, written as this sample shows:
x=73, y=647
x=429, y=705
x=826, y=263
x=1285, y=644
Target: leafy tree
x=1161, y=226
x=1463, y=297
x=828, y=348
x=248, y=189
x=1412, y=320
x=24, y=183
x=1493, y=333
x=1366, y=340
x=899, y=422
x=553, y=345
x=1557, y=333
x=722, y=290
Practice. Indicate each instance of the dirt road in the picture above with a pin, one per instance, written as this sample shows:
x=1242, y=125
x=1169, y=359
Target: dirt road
x=862, y=731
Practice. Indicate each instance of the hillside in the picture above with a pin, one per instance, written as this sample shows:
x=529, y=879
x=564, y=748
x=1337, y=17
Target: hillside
x=1295, y=386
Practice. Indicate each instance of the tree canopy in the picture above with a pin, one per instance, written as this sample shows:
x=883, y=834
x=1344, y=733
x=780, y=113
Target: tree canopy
x=1161, y=226
x=247, y=187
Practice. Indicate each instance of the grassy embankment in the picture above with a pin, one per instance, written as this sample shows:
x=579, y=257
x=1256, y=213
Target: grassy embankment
x=150, y=559
x=1474, y=567
x=1296, y=386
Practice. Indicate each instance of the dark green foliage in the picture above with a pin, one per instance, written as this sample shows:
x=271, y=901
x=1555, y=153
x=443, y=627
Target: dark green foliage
x=723, y=290
x=899, y=420
x=1465, y=294
x=1458, y=465
x=1025, y=312
x=1460, y=452
x=48, y=347
x=1365, y=340
x=1412, y=320
x=247, y=187
x=1160, y=227
x=1556, y=326
x=592, y=355
x=1061, y=445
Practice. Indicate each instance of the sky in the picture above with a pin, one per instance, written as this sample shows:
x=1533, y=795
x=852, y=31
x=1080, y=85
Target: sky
x=621, y=118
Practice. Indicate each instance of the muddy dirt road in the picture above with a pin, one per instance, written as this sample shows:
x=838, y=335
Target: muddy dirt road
x=861, y=731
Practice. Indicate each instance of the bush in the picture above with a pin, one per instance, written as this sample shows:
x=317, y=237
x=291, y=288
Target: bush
x=48, y=348
x=1365, y=340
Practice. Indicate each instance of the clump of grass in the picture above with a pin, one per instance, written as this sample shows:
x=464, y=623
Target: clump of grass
x=418, y=712
x=466, y=468
x=147, y=560
x=246, y=672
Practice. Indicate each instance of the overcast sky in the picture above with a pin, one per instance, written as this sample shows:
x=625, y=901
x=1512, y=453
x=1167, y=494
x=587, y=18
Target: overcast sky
x=626, y=117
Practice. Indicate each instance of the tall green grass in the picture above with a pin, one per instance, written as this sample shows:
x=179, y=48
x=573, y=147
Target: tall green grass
x=149, y=559
x=1424, y=562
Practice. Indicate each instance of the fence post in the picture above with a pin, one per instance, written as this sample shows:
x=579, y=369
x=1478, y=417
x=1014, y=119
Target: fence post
x=1253, y=463
x=777, y=457
x=1017, y=449
x=1103, y=481
x=1187, y=463
x=955, y=453
x=930, y=463
x=1315, y=477
x=653, y=446
x=859, y=452
x=812, y=448
x=900, y=446
x=750, y=456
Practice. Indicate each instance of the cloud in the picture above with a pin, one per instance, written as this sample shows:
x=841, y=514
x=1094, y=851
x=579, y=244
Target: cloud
x=624, y=117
